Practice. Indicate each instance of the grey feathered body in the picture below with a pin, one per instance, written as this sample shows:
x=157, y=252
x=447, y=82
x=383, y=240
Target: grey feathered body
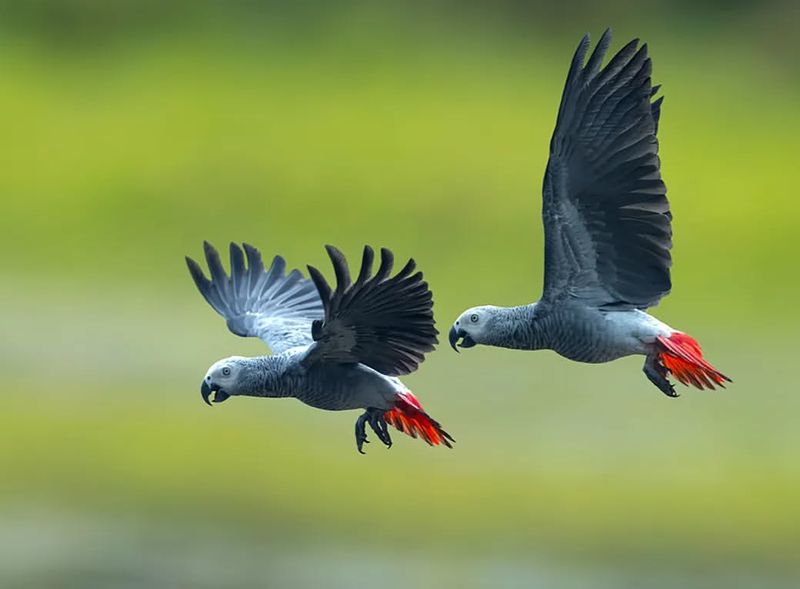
x=333, y=348
x=575, y=331
x=606, y=218
x=334, y=387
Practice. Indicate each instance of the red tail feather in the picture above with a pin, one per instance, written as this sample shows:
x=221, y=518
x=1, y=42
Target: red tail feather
x=409, y=417
x=681, y=355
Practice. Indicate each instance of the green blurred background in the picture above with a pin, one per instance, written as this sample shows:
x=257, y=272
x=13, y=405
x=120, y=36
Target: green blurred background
x=133, y=130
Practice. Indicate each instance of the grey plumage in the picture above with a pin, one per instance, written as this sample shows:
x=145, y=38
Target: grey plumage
x=386, y=324
x=607, y=231
x=334, y=349
x=275, y=307
x=605, y=212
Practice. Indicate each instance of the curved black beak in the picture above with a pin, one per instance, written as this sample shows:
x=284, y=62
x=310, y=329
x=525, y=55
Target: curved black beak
x=455, y=335
x=205, y=391
x=207, y=388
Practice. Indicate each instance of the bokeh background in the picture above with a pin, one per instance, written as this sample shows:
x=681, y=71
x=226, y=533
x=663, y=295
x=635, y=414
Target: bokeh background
x=132, y=130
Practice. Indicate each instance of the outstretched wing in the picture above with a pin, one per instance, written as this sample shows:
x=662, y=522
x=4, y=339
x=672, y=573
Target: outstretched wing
x=255, y=302
x=381, y=321
x=607, y=223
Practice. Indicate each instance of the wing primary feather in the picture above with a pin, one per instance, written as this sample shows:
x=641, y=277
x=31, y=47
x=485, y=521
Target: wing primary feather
x=605, y=212
x=360, y=286
x=593, y=65
x=387, y=262
x=256, y=302
x=617, y=88
x=340, y=268
x=322, y=285
x=618, y=62
x=255, y=269
x=367, y=259
x=219, y=278
x=271, y=280
x=384, y=321
x=655, y=111
x=564, y=111
x=405, y=271
x=200, y=280
x=238, y=271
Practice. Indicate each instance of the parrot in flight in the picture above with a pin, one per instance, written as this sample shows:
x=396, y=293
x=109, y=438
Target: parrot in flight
x=333, y=349
x=607, y=233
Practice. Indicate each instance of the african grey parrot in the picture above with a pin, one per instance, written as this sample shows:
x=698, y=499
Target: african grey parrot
x=607, y=231
x=332, y=349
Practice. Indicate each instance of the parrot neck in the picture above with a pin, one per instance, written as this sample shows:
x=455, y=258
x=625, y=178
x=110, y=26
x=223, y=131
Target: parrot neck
x=517, y=328
x=266, y=378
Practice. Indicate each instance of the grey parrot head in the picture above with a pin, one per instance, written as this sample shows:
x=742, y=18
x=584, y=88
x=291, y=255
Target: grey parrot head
x=228, y=377
x=474, y=326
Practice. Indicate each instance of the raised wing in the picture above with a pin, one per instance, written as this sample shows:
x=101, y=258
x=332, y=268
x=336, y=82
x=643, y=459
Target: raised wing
x=381, y=321
x=255, y=302
x=607, y=223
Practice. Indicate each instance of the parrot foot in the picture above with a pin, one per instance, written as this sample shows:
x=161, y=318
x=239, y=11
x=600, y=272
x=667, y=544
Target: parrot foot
x=656, y=373
x=375, y=419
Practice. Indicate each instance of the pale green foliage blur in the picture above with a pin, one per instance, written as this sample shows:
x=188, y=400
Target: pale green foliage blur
x=132, y=134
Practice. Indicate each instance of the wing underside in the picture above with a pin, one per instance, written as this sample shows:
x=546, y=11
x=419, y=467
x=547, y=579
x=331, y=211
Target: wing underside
x=260, y=302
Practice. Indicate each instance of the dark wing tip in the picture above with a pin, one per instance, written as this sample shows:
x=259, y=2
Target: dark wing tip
x=407, y=270
x=278, y=265
x=323, y=288
x=655, y=110
x=212, y=254
x=235, y=246
x=387, y=262
x=367, y=258
x=593, y=65
x=195, y=270
x=237, y=258
x=333, y=250
x=580, y=54
x=340, y=267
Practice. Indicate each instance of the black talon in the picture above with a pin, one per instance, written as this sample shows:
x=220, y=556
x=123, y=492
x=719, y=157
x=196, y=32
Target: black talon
x=385, y=437
x=361, y=432
x=656, y=373
x=378, y=424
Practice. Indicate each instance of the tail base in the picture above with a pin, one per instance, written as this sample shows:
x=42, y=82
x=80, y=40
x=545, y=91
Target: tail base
x=409, y=417
x=681, y=356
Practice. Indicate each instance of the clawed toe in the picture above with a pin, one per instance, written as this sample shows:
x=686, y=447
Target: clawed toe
x=378, y=424
x=361, y=433
x=657, y=374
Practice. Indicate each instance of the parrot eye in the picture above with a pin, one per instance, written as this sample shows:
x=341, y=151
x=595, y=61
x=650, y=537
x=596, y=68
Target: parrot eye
x=474, y=318
x=226, y=371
